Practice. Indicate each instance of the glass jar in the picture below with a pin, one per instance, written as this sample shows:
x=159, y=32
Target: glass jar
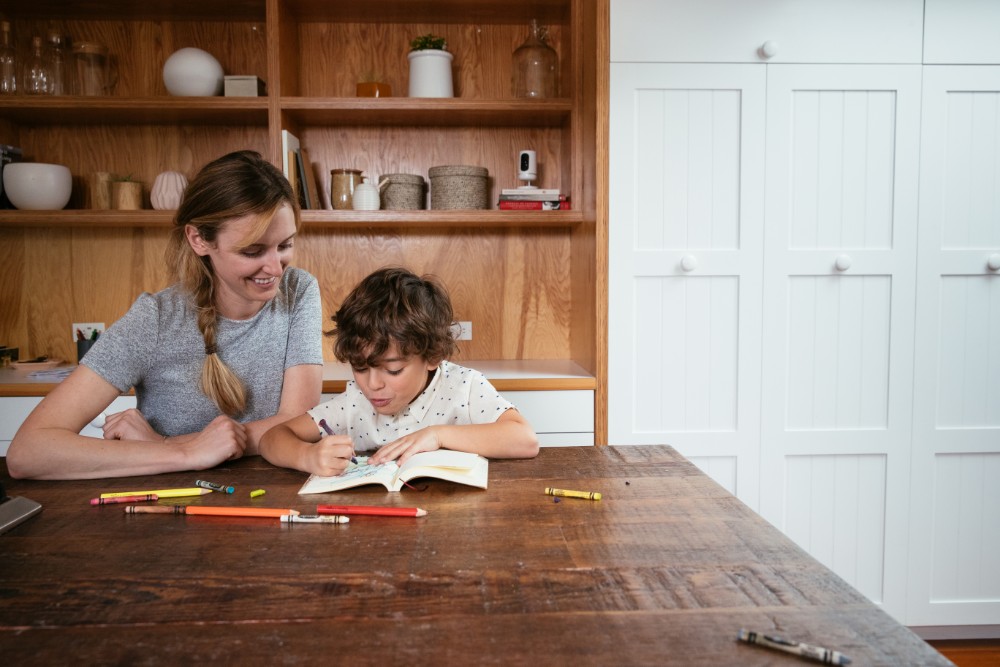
x=342, y=184
x=536, y=66
x=56, y=58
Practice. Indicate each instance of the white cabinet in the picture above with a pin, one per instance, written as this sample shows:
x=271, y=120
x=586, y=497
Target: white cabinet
x=734, y=31
x=839, y=275
x=955, y=503
x=685, y=263
x=962, y=32
x=14, y=410
x=838, y=366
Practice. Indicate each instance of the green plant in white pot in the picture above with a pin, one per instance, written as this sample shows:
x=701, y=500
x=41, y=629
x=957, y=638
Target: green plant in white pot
x=430, y=67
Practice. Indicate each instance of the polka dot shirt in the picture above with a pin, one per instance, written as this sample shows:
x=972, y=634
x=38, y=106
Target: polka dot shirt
x=455, y=395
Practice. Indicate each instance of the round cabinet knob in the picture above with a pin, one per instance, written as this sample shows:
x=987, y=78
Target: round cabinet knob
x=689, y=262
x=843, y=262
x=768, y=50
x=993, y=261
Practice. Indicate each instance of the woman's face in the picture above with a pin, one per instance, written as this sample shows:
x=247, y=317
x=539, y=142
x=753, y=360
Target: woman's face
x=247, y=277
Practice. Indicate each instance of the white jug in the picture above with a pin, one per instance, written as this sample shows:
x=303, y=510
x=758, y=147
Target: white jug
x=366, y=197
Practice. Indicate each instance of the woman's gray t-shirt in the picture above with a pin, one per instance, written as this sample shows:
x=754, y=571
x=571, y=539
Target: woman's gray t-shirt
x=156, y=348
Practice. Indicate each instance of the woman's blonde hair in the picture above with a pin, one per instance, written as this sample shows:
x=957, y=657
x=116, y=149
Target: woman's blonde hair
x=233, y=186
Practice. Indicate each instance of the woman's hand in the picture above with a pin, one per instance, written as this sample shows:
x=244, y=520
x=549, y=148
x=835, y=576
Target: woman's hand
x=224, y=439
x=129, y=425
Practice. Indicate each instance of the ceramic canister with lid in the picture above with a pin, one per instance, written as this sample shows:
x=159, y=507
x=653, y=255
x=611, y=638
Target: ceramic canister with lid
x=342, y=184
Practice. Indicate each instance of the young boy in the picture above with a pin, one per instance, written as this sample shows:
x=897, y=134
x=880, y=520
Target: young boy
x=394, y=329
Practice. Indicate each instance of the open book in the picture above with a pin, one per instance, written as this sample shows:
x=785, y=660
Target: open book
x=459, y=467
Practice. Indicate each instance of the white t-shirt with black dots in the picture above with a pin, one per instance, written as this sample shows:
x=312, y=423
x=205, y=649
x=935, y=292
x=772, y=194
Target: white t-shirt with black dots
x=455, y=395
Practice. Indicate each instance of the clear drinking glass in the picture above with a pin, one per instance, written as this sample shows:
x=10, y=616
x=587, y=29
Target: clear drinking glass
x=56, y=57
x=36, y=71
x=8, y=61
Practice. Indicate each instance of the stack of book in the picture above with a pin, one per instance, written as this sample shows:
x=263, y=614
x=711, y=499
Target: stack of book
x=532, y=199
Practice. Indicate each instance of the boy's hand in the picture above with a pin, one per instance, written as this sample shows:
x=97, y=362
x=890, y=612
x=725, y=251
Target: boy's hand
x=330, y=456
x=424, y=440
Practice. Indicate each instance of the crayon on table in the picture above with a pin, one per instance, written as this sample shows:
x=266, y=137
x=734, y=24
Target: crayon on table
x=315, y=518
x=370, y=510
x=819, y=653
x=212, y=486
x=124, y=499
x=162, y=493
x=259, y=512
x=565, y=493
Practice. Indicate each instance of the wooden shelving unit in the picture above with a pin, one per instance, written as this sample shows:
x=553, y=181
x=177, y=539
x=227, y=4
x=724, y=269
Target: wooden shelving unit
x=531, y=282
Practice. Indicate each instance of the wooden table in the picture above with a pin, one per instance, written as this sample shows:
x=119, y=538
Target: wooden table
x=664, y=570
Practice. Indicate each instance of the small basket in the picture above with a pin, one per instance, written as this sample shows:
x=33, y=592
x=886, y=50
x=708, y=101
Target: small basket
x=459, y=187
x=403, y=192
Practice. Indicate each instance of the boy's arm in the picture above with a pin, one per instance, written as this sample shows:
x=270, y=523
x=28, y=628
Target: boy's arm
x=509, y=437
x=297, y=444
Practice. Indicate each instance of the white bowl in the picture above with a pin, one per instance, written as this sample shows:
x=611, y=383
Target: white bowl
x=191, y=72
x=36, y=186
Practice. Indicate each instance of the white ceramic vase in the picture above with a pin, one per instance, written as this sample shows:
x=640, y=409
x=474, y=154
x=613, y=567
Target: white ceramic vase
x=191, y=72
x=430, y=73
x=365, y=197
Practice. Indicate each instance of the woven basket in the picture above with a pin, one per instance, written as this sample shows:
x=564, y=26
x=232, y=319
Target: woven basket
x=459, y=186
x=403, y=192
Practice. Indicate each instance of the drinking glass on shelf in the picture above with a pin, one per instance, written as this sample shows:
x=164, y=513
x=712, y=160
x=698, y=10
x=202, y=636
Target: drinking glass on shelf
x=36, y=72
x=8, y=61
x=55, y=55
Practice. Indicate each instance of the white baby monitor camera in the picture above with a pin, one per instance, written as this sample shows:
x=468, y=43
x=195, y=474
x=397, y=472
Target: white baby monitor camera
x=527, y=166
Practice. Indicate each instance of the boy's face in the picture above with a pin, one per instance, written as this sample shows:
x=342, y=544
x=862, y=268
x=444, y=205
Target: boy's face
x=393, y=381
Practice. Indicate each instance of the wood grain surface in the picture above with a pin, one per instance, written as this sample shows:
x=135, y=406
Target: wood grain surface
x=664, y=570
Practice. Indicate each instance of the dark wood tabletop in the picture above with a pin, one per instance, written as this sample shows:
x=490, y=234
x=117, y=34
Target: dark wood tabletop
x=665, y=569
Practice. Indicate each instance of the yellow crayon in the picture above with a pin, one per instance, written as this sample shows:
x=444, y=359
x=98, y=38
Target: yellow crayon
x=162, y=493
x=586, y=495
x=256, y=493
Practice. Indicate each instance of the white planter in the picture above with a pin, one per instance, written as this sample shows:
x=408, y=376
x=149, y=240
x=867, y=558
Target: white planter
x=430, y=73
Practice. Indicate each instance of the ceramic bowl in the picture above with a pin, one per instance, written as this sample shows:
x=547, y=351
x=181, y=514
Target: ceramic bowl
x=191, y=72
x=36, y=186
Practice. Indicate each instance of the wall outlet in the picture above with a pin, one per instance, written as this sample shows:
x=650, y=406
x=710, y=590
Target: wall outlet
x=87, y=328
x=462, y=330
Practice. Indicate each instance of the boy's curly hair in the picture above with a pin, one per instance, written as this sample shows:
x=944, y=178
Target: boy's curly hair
x=394, y=305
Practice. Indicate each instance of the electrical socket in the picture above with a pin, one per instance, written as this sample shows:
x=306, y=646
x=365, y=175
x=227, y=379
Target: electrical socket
x=88, y=329
x=462, y=330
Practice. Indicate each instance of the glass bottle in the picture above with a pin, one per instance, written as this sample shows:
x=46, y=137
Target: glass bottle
x=36, y=72
x=536, y=66
x=56, y=60
x=8, y=61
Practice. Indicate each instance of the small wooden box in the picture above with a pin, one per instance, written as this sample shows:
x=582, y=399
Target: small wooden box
x=244, y=86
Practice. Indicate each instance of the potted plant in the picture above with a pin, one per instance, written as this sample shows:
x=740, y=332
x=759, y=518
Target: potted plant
x=430, y=67
x=126, y=194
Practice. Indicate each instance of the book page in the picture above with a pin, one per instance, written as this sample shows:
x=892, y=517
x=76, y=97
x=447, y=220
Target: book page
x=357, y=474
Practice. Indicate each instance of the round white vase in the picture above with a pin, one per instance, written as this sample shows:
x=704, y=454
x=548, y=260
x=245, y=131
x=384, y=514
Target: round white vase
x=191, y=72
x=430, y=73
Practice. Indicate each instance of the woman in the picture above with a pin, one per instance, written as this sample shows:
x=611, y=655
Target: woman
x=231, y=349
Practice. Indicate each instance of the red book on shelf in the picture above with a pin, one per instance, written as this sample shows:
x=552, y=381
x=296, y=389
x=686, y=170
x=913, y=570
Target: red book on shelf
x=506, y=205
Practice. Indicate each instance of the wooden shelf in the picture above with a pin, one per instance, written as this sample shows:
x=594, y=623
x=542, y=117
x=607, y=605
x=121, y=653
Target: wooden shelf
x=411, y=111
x=346, y=220
x=76, y=110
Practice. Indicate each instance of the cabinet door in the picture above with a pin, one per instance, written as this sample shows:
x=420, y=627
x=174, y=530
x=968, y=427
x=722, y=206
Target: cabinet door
x=839, y=273
x=961, y=32
x=955, y=524
x=686, y=205
x=804, y=31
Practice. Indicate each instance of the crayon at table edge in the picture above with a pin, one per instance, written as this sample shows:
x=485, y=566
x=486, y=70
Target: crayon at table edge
x=162, y=493
x=566, y=493
x=370, y=510
x=124, y=499
x=824, y=655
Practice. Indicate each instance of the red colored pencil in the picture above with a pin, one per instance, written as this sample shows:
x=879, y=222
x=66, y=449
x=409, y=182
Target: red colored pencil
x=370, y=510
